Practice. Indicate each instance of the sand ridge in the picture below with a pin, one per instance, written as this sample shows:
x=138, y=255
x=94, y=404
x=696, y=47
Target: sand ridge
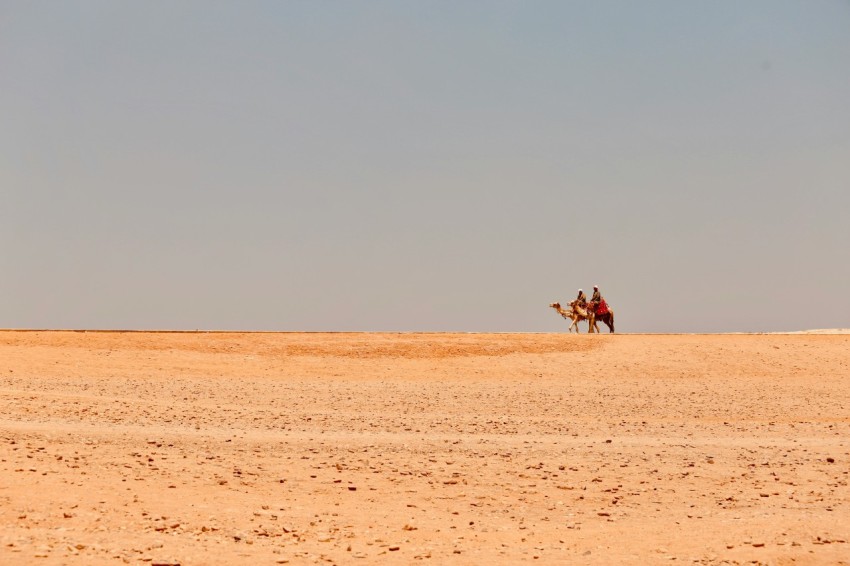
x=217, y=448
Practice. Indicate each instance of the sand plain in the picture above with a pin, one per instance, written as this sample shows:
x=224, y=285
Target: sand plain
x=267, y=448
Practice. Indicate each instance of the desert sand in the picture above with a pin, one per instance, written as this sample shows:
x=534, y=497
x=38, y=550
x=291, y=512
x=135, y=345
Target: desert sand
x=223, y=448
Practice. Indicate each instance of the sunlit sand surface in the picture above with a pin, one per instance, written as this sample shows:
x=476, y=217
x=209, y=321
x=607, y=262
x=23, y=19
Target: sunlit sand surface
x=222, y=448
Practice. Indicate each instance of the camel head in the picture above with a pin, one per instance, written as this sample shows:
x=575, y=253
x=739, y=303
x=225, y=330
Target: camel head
x=564, y=313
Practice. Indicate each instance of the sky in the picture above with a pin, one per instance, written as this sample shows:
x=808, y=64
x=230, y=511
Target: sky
x=424, y=166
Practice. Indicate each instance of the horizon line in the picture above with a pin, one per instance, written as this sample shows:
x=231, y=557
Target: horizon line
x=821, y=331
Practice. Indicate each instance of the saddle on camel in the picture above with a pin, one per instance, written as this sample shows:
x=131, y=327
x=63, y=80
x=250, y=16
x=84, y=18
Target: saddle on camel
x=599, y=308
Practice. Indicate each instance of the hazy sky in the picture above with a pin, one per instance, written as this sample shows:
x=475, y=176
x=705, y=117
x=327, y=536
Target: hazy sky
x=306, y=165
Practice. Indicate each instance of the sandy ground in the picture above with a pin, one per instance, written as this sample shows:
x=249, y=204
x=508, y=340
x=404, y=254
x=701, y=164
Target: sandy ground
x=221, y=448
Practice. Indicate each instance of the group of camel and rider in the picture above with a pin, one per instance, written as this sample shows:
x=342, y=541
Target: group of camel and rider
x=594, y=310
x=595, y=301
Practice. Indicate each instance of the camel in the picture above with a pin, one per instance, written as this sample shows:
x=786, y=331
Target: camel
x=607, y=318
x=570, y=314
x=592, y=318
x=577, y=314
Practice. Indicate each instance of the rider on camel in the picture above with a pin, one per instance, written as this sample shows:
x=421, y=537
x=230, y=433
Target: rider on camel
x=581, y=300
x=597, y=297
x=596, y=300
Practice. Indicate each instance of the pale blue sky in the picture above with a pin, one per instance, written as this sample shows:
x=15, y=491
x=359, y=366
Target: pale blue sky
x=424, y=165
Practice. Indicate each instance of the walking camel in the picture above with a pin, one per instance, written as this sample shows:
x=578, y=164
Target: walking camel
x=570, y=314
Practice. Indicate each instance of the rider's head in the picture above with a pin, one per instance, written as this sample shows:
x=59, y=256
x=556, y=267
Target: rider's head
x=579, y=290
x=596, y=287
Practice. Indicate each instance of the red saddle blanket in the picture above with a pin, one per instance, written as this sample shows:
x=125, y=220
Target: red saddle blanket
x=602, y=308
